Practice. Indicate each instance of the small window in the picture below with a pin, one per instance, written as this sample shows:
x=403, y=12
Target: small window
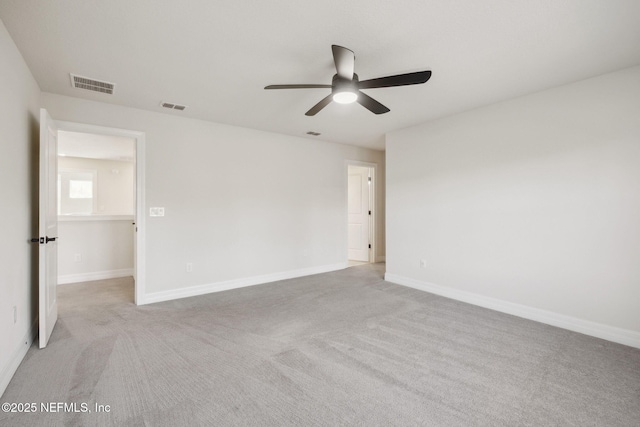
x=80, y=189
x=77, y=191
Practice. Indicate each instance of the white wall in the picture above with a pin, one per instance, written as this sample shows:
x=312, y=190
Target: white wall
x=239, y=203
x=534, y=202
x=19, y=116
x=94, y=249
x=115, y=183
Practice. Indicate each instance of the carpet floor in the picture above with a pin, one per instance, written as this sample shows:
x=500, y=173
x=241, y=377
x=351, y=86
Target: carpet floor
x=343, y=348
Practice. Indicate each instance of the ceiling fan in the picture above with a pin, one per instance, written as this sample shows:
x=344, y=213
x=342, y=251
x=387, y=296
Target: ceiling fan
x=345, y=86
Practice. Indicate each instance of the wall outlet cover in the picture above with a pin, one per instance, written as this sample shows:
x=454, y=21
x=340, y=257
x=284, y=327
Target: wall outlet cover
x=156, y=211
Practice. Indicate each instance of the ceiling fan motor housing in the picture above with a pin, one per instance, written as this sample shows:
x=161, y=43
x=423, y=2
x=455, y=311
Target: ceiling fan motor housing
x=338, y=84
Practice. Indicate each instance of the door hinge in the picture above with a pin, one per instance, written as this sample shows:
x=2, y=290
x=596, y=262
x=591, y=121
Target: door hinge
x=369, y=212
x=369, y=245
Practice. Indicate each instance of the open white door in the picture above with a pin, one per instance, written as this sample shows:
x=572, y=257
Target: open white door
x=359, y=213
x=48, y=227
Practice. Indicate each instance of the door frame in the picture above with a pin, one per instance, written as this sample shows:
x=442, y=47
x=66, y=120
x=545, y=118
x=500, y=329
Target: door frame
x=139, y=266
x=372, y=202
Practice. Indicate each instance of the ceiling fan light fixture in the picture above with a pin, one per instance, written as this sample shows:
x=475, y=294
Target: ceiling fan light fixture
x=345, y=97
x=345, y=84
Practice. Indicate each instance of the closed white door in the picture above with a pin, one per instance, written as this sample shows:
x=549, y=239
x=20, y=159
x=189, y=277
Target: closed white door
x=359, y=213
x=48, y=228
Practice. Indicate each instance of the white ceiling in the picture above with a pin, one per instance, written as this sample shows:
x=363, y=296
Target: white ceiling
x=216, y=56
x=92, y=146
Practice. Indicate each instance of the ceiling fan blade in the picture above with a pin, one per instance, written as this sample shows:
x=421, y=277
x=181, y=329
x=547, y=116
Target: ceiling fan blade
x=344, y=60
x=303, y=86
x=397, y=80
x=371, y=104
x=319, y=106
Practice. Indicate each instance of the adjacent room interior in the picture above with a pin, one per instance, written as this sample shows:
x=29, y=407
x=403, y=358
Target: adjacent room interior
x=96, y=207
x=373, y=213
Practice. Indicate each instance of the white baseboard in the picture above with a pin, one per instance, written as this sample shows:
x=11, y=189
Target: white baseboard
x=587, y=327
x=96, y=275
x=16, y=358
x=238, y=283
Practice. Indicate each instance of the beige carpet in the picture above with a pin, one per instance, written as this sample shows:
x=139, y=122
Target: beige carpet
x=342, y=348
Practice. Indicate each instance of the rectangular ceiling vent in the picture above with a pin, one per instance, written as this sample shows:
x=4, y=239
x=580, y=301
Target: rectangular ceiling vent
x=94, y=85
x=313, y=133
x=173, y=106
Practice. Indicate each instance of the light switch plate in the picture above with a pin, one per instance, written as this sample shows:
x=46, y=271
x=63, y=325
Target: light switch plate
x=156, y=211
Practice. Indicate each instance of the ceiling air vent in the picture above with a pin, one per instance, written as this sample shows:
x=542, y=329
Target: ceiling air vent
x=80, y=82
x=313, y=133
x=173, y=106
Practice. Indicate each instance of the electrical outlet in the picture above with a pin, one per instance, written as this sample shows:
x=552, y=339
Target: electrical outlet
x=189, y=267
x=77, y=258
x=156, y=211
x=423, y=263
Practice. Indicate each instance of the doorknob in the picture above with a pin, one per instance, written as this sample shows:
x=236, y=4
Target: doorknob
x=50, y=239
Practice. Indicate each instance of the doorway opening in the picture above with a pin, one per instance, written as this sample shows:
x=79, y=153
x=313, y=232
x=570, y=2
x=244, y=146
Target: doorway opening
x=99, y=194
x=361, y=246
